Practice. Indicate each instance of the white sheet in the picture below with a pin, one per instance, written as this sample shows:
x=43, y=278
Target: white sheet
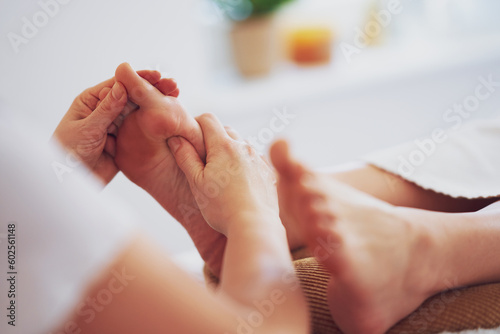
x=462, y=162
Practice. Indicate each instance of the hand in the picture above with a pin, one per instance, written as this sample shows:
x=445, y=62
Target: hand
x=235, y=181
x=83, y=131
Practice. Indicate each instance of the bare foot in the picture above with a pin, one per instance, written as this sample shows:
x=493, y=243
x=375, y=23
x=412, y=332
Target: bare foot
x=143, y=156
x=380, y=261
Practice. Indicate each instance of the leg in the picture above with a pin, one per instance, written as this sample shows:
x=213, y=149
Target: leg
x=395, y=190
x=144, y=157
x=385, y=260
x=379, y=184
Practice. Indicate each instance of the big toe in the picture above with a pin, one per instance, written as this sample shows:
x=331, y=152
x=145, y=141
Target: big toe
x=139, y=90
x=282, y=160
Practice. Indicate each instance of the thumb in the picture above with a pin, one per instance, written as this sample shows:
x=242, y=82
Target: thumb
x=187, y=159
x=109, y=108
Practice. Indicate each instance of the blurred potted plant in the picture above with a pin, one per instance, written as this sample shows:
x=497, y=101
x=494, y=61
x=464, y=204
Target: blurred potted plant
x=253, y=34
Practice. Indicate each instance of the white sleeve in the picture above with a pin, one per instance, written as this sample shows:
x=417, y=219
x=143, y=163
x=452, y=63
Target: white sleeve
x=65, y=234
x=464, y=162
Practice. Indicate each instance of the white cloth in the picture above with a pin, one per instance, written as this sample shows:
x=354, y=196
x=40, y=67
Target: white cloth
x=461, y=162
x=477, y=331
x=66, y=233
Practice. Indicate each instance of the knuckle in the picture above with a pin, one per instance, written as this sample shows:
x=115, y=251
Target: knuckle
x=247, y=149
x=250, y=149
x=87, y=100
x=227, y=146
x=93, y=134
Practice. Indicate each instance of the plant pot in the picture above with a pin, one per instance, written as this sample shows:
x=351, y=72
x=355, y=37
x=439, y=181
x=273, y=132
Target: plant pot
x=254, y=45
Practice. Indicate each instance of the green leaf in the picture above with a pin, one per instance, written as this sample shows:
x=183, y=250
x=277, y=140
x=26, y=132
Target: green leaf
x=239, y=10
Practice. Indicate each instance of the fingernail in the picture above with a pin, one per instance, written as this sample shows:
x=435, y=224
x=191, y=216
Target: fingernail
x=174, y=143
x=117, y=91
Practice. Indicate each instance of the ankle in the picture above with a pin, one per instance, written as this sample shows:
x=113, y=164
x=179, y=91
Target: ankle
x=426, y=268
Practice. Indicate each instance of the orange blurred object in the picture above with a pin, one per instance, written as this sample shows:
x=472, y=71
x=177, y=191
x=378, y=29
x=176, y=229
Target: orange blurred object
x=311, y=45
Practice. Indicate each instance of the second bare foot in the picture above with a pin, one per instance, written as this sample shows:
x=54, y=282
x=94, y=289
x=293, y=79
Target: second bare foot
x=381, y=261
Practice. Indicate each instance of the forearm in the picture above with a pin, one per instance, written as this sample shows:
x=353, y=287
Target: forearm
x=150, y=295
x=258, y=270
x=256, y=254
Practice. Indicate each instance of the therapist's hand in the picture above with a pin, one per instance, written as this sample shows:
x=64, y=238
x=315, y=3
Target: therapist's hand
x=235, y=181
x=88, y=130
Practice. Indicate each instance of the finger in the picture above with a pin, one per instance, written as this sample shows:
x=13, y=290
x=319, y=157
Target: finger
x=167, y=87
x=153, y=77
x=104, y=92
x=213, y=130
x=232, y=133
x=129, y=108
x=102, y=95
x=187, y=159
x=90, y=97
x=95, y=90
x=110, y=108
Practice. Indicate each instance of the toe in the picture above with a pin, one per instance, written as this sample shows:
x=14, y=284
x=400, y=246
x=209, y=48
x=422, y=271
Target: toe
x=279, y=156
x=168, y=87
x=286, y=166
x=153, y=77
x=175, y=93
x=311, y=206
x=139, y=90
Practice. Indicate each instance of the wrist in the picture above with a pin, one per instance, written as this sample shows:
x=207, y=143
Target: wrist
x=255, y=220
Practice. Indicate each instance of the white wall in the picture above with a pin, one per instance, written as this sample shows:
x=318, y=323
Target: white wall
x=81, y=46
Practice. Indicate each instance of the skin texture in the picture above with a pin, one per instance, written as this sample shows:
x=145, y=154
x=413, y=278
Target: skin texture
x=108, y=133
x=143, y=156
x=85, y=130
x=146, y=114
x=158, y=297
x=145, y=159
x=384, y=260
x=226, y=176
x=387, y=187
